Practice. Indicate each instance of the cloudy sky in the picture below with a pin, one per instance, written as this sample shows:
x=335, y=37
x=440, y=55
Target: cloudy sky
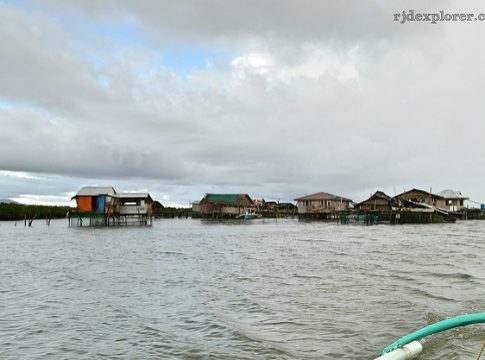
x=274, y=98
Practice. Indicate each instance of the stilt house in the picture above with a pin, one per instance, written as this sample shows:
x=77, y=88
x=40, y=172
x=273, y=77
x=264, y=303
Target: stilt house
x=420, y=196
x=225, y=205
x=379, y=201
x=322, y=203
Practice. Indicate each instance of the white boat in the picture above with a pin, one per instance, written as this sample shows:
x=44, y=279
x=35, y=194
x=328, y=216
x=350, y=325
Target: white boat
x=248, y=216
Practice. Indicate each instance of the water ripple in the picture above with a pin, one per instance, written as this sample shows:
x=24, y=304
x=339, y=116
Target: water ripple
x=188, y=289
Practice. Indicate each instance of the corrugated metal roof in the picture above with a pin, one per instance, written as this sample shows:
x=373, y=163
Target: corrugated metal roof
x=133, y=195
x=95, y=191
x=225, y=198
x=419, y=191
x=451, y=194
x=322, y=196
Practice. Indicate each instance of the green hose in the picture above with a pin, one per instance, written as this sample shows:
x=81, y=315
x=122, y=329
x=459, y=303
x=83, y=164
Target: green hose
x=436, y=328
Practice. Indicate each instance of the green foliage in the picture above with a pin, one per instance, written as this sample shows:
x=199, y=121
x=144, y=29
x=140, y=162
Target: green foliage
x=18, y=211
x=171, y=212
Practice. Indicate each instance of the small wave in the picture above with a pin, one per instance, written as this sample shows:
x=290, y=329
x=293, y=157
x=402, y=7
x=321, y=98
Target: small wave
x=281, y=323
x=427, y=294
x=170, y=253
x=457, y=275
x=307, y=276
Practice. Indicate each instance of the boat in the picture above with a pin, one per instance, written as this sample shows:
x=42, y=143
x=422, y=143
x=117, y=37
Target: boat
x=410, y=345
x=248, y=216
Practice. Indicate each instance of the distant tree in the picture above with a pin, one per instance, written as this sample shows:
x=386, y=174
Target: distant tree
x=19, y=211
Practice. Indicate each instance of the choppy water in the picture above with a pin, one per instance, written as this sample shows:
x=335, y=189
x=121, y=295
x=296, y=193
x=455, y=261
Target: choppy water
x=188, y=289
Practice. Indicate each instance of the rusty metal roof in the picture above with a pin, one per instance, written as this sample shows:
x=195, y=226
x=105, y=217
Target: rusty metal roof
x=419, y=191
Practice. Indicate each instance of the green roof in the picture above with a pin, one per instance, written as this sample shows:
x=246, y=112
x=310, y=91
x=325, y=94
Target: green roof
x=224, y=198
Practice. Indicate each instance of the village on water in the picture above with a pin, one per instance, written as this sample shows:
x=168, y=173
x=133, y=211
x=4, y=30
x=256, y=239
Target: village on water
x=103, y=206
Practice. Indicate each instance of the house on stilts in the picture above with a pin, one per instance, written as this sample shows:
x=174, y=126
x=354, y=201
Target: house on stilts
x=420, y=206
x=378, y=202
x=322, y=206
x=220, y=206
x=103, y=206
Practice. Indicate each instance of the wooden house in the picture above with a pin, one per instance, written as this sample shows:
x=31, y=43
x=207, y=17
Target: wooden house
x=454, y=200
x=270, y=205
x=102, y=206
x=225, y=205
x=322, y=202
x=134, y=204
x=420, y=196
x=286, y=207
x=379, y=201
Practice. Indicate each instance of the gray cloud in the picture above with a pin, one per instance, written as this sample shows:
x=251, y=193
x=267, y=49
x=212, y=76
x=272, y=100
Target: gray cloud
x=218, y=20
x=308, y=97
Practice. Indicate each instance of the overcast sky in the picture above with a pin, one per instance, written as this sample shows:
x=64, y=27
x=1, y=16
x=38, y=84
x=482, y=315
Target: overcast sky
x=273, y=98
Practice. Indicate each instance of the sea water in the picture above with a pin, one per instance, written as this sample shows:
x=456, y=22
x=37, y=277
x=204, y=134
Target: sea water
x=262, y=289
